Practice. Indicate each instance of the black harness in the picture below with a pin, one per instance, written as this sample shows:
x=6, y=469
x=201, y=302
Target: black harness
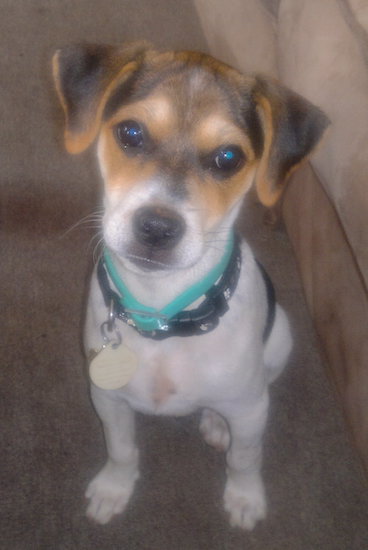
x=203, y=318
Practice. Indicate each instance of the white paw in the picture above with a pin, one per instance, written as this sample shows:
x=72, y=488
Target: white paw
x=109, y=492
x=245, y=501
x=214, y=430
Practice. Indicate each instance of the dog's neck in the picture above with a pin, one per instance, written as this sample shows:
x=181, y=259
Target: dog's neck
x=157, y=289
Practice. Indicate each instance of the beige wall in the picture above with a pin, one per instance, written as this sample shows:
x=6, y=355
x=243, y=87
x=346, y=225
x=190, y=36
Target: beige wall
x=239, y=32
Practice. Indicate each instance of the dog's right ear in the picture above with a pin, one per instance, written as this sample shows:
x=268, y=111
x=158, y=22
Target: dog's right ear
x=292, y=128
x=85, y=76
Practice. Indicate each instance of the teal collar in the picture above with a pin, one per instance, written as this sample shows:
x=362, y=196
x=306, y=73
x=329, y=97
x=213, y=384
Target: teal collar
x=145, y=318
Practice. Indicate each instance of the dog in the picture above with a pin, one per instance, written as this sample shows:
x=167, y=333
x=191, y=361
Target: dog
x=180, y=315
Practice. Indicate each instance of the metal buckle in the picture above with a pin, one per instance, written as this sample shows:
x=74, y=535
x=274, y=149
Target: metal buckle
x=108, y=327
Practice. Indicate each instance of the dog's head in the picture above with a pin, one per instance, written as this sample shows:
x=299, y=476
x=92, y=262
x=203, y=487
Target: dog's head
x=181, y=138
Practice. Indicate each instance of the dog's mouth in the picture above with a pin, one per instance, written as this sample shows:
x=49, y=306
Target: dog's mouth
x=147, y=262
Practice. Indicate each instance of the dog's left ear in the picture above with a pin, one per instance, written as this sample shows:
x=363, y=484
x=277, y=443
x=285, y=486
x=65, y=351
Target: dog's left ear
x=85, y=76
x=292, y=128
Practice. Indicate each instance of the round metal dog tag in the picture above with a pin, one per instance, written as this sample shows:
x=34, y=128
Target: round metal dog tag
x=113, y=367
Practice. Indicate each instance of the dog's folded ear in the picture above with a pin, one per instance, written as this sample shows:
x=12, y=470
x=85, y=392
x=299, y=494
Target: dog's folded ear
x=85, y=76
x=292, y=128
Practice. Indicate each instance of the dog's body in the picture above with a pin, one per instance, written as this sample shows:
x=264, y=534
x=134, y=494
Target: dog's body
x=181, y=138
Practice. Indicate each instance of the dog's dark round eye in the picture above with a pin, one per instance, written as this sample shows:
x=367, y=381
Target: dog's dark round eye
x=129, y=134
x=228, y=159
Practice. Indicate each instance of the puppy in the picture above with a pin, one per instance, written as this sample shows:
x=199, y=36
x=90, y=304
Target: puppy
x=180, y=316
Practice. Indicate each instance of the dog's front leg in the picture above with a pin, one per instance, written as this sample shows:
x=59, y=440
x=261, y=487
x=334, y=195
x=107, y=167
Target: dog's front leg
x=244, y=496
x=110, y=490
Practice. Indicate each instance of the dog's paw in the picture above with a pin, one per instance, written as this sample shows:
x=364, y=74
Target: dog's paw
x=245, y=501
x=214, y=430
x=109, y=492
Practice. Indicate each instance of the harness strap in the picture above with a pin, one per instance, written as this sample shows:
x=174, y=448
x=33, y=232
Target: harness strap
x=203, y=318
x=271, y=302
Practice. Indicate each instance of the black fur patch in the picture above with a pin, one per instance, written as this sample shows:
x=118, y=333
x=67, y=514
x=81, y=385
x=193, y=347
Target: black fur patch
x=253, y=127
x=81, y=73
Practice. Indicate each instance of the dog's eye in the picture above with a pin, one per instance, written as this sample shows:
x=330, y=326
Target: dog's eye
x=129, y=134
x=228, y=160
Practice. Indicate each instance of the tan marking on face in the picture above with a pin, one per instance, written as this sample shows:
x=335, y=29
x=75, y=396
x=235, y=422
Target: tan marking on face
x=119, y=170
x=158, y=116
x=156, y=112
x=216, y=130
x=218, y=197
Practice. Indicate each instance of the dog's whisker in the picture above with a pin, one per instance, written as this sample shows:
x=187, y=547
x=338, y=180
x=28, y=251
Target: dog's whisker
x=219, y=242
x=94, y=218
x=97, y=235
x=98, y=249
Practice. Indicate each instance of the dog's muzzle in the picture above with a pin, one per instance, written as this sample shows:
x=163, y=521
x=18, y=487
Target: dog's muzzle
x=158, y=227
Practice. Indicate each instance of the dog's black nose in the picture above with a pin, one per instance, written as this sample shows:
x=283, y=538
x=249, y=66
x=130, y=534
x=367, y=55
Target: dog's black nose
x=158, y=227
